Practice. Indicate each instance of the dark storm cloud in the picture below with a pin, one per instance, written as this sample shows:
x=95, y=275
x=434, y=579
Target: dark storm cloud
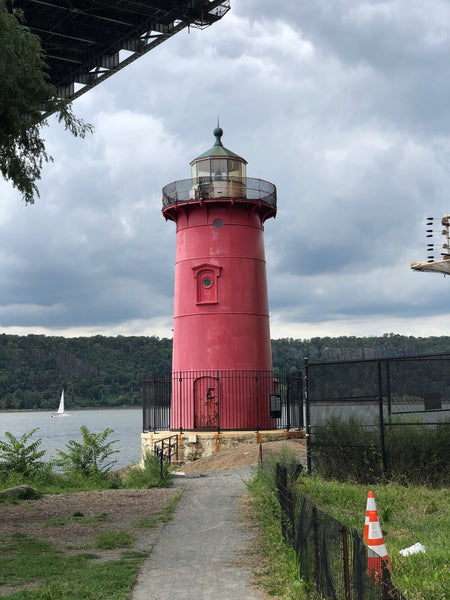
x=343, y=105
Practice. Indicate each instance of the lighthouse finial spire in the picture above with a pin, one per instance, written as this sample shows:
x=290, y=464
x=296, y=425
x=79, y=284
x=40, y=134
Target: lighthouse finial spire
x=218, y=132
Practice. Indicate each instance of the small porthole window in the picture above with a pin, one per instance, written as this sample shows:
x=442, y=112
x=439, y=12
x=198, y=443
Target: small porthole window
x=206, y=286
x=218, y=223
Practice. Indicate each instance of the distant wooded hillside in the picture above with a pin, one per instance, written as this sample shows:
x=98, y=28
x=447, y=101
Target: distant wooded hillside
x=107, y=371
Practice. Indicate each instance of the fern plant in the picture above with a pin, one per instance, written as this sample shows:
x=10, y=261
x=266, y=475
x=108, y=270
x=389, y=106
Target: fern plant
x=19, y=456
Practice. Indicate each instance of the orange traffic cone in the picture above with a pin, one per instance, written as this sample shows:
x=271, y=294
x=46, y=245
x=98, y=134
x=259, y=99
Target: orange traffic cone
x=370, y=509
x=377, y=549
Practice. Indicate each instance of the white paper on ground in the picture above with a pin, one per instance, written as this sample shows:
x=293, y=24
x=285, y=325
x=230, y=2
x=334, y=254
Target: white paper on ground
x=414, y=549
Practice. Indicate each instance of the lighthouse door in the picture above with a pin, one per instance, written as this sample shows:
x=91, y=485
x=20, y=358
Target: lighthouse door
x=206, y=403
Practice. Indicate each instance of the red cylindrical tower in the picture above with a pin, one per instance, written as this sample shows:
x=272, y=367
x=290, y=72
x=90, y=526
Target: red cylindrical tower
x=221, y=343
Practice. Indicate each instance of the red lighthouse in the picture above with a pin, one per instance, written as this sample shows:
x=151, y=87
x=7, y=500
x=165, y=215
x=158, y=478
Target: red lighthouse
x=221, y=367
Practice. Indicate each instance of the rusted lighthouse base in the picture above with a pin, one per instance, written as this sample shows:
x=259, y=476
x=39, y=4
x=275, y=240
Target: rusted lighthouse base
x=193, y=445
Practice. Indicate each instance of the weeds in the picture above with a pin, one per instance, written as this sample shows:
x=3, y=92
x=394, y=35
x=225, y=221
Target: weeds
x=149, y=475
x=426, y=460
x=77, y=518
x=280, y=575
x=91, y=456
x=162, y=516
x=19, y=456
x=349, y=450
x=114, y=539
x=406, y=514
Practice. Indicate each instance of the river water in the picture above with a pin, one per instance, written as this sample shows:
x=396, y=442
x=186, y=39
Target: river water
x=55, y=433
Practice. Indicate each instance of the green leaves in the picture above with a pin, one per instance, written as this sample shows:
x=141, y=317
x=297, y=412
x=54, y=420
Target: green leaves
x=149, y=476
x=16, y=456
x=25, y=92
x=90, y=456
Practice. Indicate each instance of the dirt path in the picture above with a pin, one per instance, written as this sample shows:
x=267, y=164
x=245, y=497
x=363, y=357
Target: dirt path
x=245, y=455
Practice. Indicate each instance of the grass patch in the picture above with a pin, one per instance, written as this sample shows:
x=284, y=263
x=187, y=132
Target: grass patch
x=94, y=520
x=349, y=450
x=162, y=516
x=59, y=521
x=407, y=515
x=77, y=518
x=148, y=476
x=280, y=574
x=48, y=481
x=135, y=554
x=110, y=540
x=31, y=569
x=146, y=522
x=39, y=572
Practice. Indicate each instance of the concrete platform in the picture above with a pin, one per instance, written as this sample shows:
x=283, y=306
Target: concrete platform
x=194, y=445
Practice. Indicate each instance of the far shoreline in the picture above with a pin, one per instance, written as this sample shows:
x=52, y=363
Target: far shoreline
x=70, y=410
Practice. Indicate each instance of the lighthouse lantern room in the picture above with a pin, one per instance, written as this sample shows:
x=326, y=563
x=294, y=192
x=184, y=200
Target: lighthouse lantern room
x=222, y=364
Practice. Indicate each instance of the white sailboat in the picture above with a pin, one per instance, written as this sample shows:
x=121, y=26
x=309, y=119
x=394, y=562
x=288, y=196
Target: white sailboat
x=60, y=412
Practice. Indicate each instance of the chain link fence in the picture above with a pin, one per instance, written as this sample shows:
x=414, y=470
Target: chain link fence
x=379, y=397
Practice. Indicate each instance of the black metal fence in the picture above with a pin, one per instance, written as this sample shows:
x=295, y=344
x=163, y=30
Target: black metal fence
x=332, y=558
x=223, y=400
x=380, y=393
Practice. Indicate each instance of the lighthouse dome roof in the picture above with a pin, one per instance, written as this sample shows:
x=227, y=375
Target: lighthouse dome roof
x=218, y=150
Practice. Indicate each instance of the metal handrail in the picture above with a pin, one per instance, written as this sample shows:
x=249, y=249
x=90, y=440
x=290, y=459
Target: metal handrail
x=217, y=187
x=163, y=448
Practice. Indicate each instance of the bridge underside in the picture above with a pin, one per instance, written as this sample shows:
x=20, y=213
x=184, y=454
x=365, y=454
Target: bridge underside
x=436, y=266
x=89, y=40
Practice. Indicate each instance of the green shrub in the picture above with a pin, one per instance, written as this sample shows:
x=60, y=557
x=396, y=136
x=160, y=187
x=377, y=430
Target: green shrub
x=89, y=456
x=19, y=456
x=148, y=476
x=418, y=454
x=347, y=451
x=350, y=451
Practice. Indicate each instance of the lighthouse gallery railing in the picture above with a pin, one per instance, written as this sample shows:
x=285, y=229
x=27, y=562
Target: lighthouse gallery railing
x=262, y=387
x=217, y=187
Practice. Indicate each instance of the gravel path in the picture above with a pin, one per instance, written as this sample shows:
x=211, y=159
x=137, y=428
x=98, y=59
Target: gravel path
x=201, y=553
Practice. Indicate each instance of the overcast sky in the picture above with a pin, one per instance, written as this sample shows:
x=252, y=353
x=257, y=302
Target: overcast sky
x=344, y=105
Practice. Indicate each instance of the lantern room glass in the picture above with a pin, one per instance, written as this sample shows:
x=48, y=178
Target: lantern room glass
x=201, y=169
x=218, y=168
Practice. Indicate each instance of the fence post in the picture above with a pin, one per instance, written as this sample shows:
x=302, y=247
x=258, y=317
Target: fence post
x=257, y=403
x=218, y=402
x=345, y=559
x=301, y=423
x=181, y=404
x=386, y=582
x=282, y=490
x=315, y=525
x=307, y=419
x=388, y=383
x=167, y=394
x=154, y=406
x=288, y=397
x=381, y=420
